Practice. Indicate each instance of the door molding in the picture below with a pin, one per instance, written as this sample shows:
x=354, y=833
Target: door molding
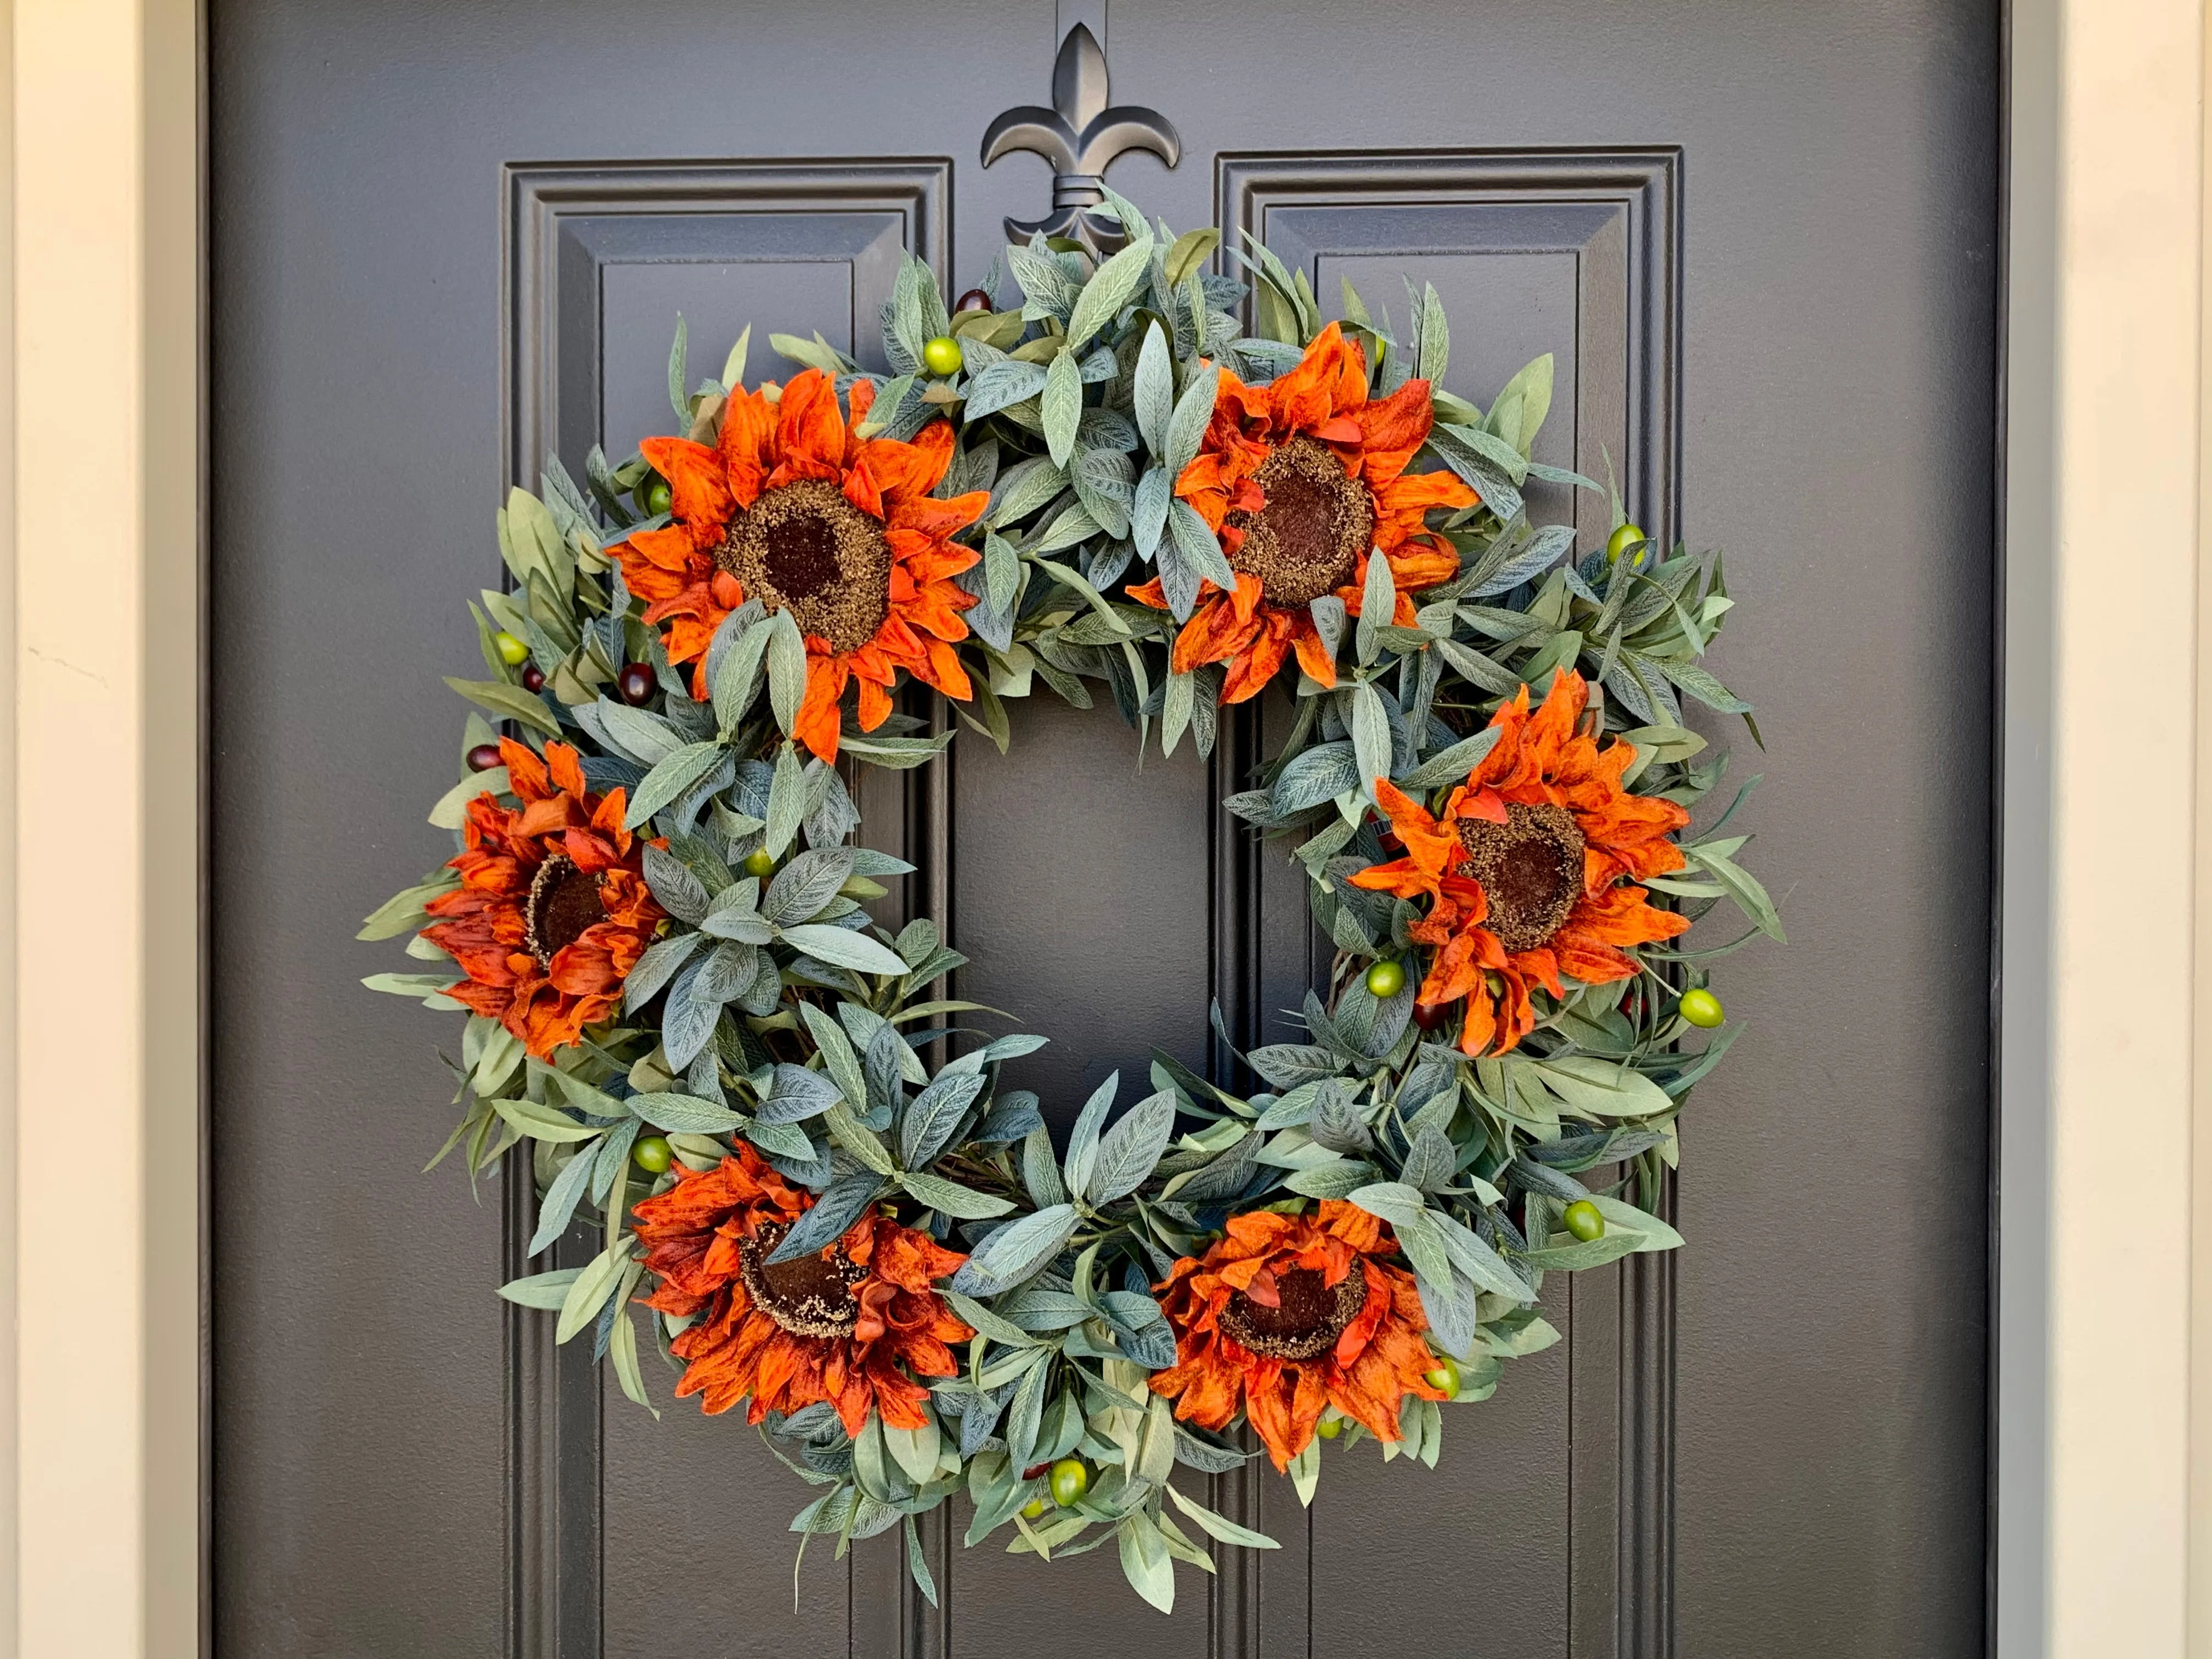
x=1618, y=214
x=2097, y=1477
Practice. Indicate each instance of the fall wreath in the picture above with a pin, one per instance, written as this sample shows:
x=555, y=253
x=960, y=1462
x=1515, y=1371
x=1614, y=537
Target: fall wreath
x=832, y=1212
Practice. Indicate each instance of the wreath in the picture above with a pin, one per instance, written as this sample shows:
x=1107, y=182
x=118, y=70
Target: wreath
x=829, y=1205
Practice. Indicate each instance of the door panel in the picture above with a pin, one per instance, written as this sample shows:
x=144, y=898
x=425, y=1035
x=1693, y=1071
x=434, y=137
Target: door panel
x=450, y=238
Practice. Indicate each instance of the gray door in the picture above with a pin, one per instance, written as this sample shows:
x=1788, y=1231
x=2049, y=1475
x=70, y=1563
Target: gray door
x=1761, y=239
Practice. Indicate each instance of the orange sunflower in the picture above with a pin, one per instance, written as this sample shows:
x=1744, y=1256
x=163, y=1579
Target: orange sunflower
x=552, y=911
x=1531, y=868
x=1296, y=1313
x=836, y=1325
x=792, y=509
x=1302, y=478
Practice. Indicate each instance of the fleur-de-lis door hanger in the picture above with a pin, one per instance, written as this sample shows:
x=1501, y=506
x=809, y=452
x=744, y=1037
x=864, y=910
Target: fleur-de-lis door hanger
x=1081, y=135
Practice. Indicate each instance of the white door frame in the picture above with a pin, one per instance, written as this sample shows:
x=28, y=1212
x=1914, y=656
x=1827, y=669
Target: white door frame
x=2102, y=1464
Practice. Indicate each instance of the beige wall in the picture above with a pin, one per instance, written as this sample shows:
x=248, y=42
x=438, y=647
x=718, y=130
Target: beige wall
x=2104, y=1438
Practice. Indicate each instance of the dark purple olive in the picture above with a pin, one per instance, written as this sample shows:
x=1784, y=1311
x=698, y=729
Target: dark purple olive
x=637, y=684
x=1430, y=1016
x=533, y=679
x=484, y=757
x=974, y=299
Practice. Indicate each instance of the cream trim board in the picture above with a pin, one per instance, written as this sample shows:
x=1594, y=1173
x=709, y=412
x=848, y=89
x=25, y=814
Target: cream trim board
x=106, y=675
x=2103, y=467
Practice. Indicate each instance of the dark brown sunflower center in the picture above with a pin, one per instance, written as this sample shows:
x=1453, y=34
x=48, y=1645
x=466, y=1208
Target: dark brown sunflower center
x=811, y=1296
x=1309, y=1315
x=1306, y=541
x=1531, y=870
x=805, y=548
x=563, y=901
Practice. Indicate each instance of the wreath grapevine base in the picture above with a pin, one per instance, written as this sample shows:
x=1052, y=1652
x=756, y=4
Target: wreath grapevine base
x=681, y=1013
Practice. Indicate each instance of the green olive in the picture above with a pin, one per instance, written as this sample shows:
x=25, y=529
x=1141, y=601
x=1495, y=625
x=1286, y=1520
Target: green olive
x=511, y=650
x=652, y=1154
x=1386, y=979
x=1702, y=1008
x=941, y=356
x=760, y=862
x=1584, y=1221
x=652, y=495
x=1071, y=1479
x=1621, y=540
x=1329, y=1427
x=1033, y=1508
x=1444, y=1375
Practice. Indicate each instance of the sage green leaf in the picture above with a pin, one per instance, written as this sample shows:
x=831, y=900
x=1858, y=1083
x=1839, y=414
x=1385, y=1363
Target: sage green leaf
x=1148, y=510
x=950, y=1198
x=1393, y=1200
x=651, y=740
x=683, y=1113
x=1066, y=575
x=929, y=1123
x=1220, y=1527
x=678, y=373
x=590, y=1289
x=1129, y=1150
x=737, y=676
x=452, y=811
x=733, y=365
x=559, y=1203
x=787, y=801
x=1069, y=527
x=1371, y=735
x=1529, y=392
x=1002, y=572
x=1153, y=388
x=1186, y=427
x=1435, y=344
x=544, y=1291
x=1378, y=601
x=856, y=1137
x=671, y=779
x=1145, y=1561
x=840, y=1206
x=1600, y=1087
x=1062, y=407
x=1108, y=289
x=403, y=912
x=1750, y=896
x=843, y=947
x=839, y=1059
x=1452, y=765
x=914, y=1450
x=543, y=1123
x=1022, y=489
x=1016, y=1250
x=817, y=353
x=1200, y=545
x=1002, y=385
x=1472, y=1255
x=1175, y=710
x=1655, y=1234
x=805, y=885
x=509, y=703
x=984, y=1321
x=1191, y=249
x=786, y=669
